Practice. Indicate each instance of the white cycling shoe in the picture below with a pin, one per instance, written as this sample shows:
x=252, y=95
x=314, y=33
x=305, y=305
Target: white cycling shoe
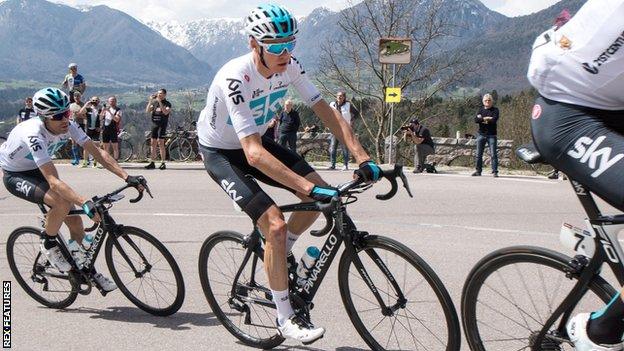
x=577, y=331
x=105, y=283
x=56, y=258
x=298, y=328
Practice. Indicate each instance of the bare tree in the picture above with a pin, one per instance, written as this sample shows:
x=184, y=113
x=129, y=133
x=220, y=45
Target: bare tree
x=353, y=63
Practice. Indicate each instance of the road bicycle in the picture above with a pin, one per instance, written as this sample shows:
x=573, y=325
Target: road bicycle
x=126, y=150
x=178, y=144
x=392, y=296
x=141, y=266
x=521, y=297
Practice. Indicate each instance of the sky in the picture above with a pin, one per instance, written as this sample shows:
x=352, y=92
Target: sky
x=187, y=10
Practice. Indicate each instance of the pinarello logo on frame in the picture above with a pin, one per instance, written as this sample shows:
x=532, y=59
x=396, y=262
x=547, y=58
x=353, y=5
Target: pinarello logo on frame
x=537, y=111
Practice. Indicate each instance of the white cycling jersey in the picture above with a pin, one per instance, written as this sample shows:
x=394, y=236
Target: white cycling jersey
x=30, y=145
x=582, y=63
x=242, y=102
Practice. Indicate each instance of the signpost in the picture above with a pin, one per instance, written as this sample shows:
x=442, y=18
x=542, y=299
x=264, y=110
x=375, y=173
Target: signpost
x=394, y=51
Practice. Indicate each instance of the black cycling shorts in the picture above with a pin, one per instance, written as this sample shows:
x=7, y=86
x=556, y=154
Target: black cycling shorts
x=586, y=144
x=230, y=169
x=109, y=135
x=93, y=134
x=28, y=185
x=159, y=129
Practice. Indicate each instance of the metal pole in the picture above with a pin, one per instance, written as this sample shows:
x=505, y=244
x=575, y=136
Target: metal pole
x=392, y=116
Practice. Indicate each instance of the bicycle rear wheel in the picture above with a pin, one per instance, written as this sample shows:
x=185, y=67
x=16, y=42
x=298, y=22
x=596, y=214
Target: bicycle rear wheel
x=126, y=151
x=424, y=320
x=33, y=272
x=145, y=271
x=511, y=293
x=180, y=149
x=248, y=314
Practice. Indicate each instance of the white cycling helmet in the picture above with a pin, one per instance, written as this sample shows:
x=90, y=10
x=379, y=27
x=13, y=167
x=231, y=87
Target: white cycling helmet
x=71, y=65
x=50, y=101
x=270, y=22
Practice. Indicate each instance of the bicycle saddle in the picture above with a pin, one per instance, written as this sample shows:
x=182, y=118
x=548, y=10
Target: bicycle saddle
x=529, y=154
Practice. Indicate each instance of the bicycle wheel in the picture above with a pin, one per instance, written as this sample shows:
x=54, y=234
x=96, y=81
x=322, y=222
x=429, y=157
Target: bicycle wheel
x=33, y=272
x=180, y=149
x=511, y=293
x=425, y=320
x=145, y=271
x=250, y=314
x=126, y=151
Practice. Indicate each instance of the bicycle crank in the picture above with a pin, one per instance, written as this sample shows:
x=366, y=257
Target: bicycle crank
x=549, y=342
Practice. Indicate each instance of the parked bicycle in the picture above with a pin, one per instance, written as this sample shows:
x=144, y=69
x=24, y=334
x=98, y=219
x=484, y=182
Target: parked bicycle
x=179, y=144
x=141, y=266
x=392, y=296
x=521, y=297
x=126, y=150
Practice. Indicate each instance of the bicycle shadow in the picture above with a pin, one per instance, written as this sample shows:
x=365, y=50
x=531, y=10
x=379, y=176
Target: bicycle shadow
x=309, y=348
x=177, y=321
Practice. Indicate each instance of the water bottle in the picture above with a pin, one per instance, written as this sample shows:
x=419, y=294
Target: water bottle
x=87, y=241
x=306, y=263
x=76, y=251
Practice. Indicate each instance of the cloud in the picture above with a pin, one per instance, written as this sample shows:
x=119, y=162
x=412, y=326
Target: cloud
x=514, y=8
x=187, y=10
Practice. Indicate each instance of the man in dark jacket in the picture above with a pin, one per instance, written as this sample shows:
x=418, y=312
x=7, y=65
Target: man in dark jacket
x=420, y=136
x=486, y=118
x=289, y=123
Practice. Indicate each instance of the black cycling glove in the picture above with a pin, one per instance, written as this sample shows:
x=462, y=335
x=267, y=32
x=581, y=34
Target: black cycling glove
x=368, y=171
x=135, y=181
x=89, y=208
x=323, y=193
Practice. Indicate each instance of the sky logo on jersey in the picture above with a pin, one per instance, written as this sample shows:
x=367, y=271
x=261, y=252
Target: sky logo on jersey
x=23, y=187
x=592, y=154
x=234, y=86
x=265, y=108
x=52, y=148
x=228, y=187
x=605, y=56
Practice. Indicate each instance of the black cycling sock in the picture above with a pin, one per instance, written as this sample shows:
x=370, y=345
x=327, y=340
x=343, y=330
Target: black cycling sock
x=49, y=241
x=607, y=325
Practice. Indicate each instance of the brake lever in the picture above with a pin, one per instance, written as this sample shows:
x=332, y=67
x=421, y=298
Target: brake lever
x=405, y=183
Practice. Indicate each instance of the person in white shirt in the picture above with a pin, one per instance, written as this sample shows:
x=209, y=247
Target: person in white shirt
x=349, y=113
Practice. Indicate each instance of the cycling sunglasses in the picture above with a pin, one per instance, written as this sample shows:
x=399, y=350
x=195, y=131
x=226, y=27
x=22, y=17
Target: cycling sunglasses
x=60, y=116
x=279, y=48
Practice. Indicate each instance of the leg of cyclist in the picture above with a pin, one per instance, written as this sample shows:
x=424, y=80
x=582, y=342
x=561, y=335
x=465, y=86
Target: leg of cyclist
x=587, y=145
x=301, y=221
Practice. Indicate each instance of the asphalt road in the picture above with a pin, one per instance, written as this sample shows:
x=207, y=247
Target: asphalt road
x=452, y=222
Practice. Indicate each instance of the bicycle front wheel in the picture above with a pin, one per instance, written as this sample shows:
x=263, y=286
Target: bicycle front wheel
x=145, y=271
x=126, y=151
x=180, y=149
x=512, y=292
x=415, y=311
x=33, y=272
x=248, y=313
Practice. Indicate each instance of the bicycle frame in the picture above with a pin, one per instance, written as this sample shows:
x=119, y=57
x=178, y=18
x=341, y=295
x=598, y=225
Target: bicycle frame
x=343, y=231
x=608, y=250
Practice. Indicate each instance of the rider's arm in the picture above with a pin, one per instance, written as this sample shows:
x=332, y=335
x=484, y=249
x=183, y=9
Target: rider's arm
x=58, y=186
x=117, y=116
x=149, y=106
x=104, y=158
x=341, y=129
x=258, y=157
x=166, y=109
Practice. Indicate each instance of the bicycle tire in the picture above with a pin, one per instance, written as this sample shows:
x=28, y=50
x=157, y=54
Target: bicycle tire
x=383, y=246
x=180, y=149
x=126, y=150
x=493, y=263
x=31, y=247
x=227, y=318
x=115, y=266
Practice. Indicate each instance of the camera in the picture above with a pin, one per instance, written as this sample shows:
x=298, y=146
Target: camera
x=154, y=96
x=406, y=127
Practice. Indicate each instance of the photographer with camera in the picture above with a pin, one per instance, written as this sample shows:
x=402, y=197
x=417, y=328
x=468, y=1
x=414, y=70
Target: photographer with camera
x=160, y=109
x=420, y=136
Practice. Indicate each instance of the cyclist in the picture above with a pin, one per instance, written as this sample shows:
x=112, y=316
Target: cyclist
x=30, y=174
x=241, y=102
x=578, y=127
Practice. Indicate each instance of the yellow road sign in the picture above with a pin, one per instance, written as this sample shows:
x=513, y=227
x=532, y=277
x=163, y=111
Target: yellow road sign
x=393, y=94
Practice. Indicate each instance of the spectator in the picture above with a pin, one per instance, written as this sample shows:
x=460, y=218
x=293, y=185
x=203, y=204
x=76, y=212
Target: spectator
x=160, y=109
x=288, y=126
x=78, y=115
x=420, y=136
x=271, y=132
x=111, y=116
x=486, y=118
x=349, y=113
x=26, y=112
x=74, y=81
x=92, y=112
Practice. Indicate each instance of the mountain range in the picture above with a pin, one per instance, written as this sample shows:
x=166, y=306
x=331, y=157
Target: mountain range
x=39, y=39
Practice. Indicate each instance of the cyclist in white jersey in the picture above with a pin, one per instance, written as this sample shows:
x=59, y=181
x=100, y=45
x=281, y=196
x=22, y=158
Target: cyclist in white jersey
x=243, y=98
x=30, y=174
x=578, y=127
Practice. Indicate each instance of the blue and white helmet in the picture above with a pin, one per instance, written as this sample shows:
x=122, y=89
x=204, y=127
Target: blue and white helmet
x=270, y=22
x=50, y=101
